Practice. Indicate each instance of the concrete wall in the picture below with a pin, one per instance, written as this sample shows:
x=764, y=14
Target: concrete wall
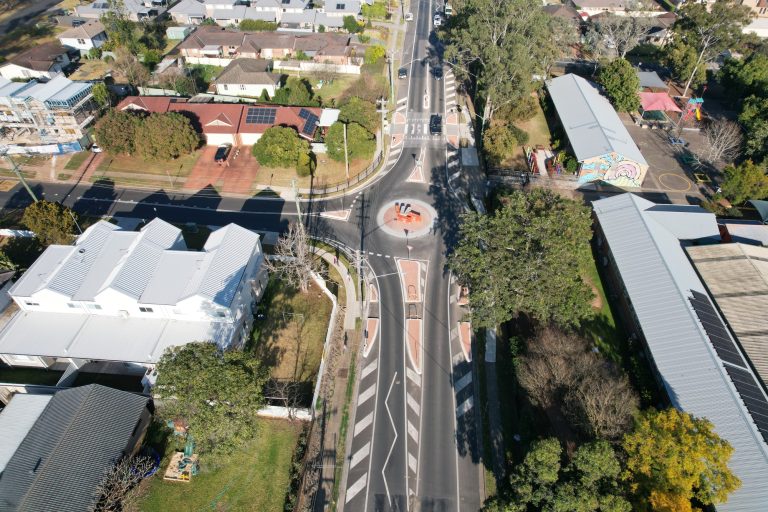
x=308, y=66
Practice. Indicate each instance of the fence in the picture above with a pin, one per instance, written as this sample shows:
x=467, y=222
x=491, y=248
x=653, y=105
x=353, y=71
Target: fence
x=338, y=187
x=309, y=66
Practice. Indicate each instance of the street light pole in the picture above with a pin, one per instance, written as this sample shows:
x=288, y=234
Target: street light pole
x=346, y=151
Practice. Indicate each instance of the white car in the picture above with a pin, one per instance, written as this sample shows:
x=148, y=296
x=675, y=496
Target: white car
x=438, y=20
x=96, y=149
x=409, y=16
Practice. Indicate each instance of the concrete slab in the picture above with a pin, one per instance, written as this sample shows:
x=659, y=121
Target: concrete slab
x=414, y=336
x=465, y=337
x=410, y=275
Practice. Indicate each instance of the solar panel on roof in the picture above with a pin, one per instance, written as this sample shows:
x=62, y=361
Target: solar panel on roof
x=257, y=115
x=723, y=343
x=310, y=125
x=304, y=113
x=753, y=397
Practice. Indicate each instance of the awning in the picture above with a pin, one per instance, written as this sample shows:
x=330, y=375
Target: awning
x=651, y=80
x=651, y=101
x=762, y=209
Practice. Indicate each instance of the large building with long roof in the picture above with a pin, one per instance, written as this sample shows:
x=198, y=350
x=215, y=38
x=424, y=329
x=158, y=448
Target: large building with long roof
x=118, y=295
x=693, y=353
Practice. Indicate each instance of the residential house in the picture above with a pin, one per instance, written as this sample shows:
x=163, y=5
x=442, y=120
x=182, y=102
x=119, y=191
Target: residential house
x=136, y=10
x=57, y=111
x=232, y=123
x=645, y=249
x=280, y=7
x=188, y=12
x=247, y=77
x=619, y=7
x=304, y=21
x=57, y=448
x=759, y=7
x=566, y=12
x=341, y=8
x=126, y=296
x=43, y=61
x=84, y=37
x=598, y=138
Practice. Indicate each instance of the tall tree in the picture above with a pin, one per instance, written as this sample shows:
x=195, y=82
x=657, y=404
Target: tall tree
x=166, y=136
x=526, y=257
x=754, y=118
x=52, y=223
x=621, y=85
x=502, y=44
x=129, y=67
x=621, y=34
x=744, y=181
x=116, y=132
x=356, y=110
x=724, y=140
x=217, y=393
x=746, y=76
x=296, y=261
x=709, y=29
x=673, y=457
x=280, y=146
x=360, y=142
x=101, y=95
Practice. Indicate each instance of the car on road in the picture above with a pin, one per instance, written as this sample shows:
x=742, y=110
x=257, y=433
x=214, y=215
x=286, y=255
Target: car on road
x=409, y=16
x=437, y=20
x=402, y=73
x=222, y=152
x=435, y=124
x=437, y=72
x=96, y=148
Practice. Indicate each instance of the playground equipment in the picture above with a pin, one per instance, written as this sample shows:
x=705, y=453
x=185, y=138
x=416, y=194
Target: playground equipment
x=693, y=108
x=406, y=214
x=182, y=467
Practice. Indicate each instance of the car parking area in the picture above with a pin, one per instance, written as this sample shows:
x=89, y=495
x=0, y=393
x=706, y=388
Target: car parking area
x=668, y=170
x=235, y=176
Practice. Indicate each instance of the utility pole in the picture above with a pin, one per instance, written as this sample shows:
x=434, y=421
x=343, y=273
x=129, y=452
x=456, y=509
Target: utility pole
x=390, y=58
x=18, y=174
x=346, y=152
x=298, y=206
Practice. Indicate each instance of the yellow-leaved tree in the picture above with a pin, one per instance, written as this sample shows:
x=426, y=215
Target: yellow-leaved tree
x=672, y=458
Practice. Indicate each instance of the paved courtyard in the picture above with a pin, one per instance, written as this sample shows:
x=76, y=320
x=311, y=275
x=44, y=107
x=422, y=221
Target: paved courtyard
x=236, y=177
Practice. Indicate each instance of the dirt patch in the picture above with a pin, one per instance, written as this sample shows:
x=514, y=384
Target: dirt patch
x=597, y=299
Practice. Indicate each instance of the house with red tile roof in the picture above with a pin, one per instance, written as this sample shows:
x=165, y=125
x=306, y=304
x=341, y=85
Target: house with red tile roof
x=231, y=123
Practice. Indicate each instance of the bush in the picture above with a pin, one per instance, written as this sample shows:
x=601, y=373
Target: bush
x=257, y=26
x=166, y=136
x=360, y=111
x=116, y=131
x=351, y=25
x=94, y=53
x=280, y=147
x=360, y=142
x=374, y=54
x=364, y=38
x=321, y=29
x=520, y=135
x=305, y=165
x=571, y=164
x=521, y=111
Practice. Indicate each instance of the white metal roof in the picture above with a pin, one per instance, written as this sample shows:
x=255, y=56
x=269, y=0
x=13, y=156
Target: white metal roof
x=592, y=125
x=16, y=420
x=108, y=338
x=329, y=116
x=659, y=279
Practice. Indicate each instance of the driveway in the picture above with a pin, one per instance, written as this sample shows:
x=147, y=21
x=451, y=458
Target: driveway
x=234, y=178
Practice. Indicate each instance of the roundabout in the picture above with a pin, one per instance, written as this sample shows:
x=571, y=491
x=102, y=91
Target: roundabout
x=406, y=218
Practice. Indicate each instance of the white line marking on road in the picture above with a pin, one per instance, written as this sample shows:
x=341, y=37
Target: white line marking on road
x=426, y=127
x=368, y=369
x=463, y=408
x=414, y=376
x=360, y=454
x=412, y=462
x=365, y=395
x=394, y=441
x=455, y=175
x=387, y=256
x=463, y=382
x=356, y=488
x=370, y=253
x=413, y=405
x=378, y=254
x=412, y=431
x=363, y=424
x=402, y=100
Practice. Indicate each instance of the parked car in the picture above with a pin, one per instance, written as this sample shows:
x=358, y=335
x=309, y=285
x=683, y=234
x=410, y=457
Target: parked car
x=402, y=73
x=438, y=20
x=96, y=148
x=435, y=124
x=409, y=16
x=437, y=72
x=448, y=10
x=222, y=152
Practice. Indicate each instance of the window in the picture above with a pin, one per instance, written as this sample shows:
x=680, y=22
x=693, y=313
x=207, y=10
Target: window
x=226, y=87
x=146, y=310
x=72, y=305
x=221, y=314
x=93, y=306
x=29, y=303
x=81, y=41
x=340, y=7
x=242, y=87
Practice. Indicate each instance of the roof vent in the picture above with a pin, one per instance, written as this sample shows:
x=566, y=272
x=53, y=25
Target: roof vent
x=81, y=251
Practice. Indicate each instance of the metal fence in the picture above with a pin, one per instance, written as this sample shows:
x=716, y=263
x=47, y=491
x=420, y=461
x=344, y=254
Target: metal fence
x=339, y=187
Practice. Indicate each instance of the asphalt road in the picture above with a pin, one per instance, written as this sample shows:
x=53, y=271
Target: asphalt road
x=447, y=473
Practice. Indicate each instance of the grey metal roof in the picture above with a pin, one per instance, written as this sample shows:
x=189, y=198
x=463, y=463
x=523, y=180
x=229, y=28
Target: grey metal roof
x=61, y=461
x=16, y=420
x=651, y=79
x=247, y=71
x=188, y=8
x=592, y=125
x=660, y=282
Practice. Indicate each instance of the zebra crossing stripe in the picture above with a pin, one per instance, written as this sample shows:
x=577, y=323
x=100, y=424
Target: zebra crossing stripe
x=368, y=369
x=363, y=424
x=365, y=395
x=413, y=432
x=413, y=405
x=355, y=488
x=464, y=407
x=463, y=382
x=412, y=462
x=360, y=454
x=413, y=376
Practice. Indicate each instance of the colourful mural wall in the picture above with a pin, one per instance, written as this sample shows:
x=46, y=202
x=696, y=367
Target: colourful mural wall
x=613, y=169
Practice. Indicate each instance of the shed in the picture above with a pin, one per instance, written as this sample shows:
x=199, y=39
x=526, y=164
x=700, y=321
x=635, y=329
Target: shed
x=178, y=33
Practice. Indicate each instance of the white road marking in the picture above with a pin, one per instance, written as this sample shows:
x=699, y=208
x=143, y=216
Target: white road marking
x=463, y=382
x=455, y=175
x=394, y=441
x=413, y=432
x=368, y=369
x=412, y=462
x=363, y=424
x=463, y=408
x=387, y=256
x=356, y=488
x=426, y=127
x=360, y=455
x=365, y=395
x=378, y=254
x=413, y=405
x=402, y=100
x=413, y=376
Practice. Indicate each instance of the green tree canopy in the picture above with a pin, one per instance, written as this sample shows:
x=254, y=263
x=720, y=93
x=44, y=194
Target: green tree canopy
x=621, y=85
x=502, y=43
x=526, y=257
x=708, y=30
x=101, y=95
x=280, y=147
x=52, y=223
x=589, y=483
x=681, y=59
x=374, y=54
x=257, y=26
x=217, y=393
x=360, y=142
x=754, y=118
x=673, y=457
x=116, y=131
x=296, y=91
x=351, y=25
x=499, y=142
x=166, y=136
x=744, y=181
x=357, y=110
x=744, y=77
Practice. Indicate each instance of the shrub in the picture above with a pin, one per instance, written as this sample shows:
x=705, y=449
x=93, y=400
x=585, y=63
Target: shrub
x=280, y=147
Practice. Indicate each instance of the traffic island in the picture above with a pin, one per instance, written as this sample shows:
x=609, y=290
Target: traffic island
x=406, y=218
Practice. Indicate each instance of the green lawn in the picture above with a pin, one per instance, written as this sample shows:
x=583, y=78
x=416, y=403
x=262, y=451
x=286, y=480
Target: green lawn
x=602, y=329
x=538, y=134
x=180, y=167
x=255, y=478
x=76, y=160
x=29, y=376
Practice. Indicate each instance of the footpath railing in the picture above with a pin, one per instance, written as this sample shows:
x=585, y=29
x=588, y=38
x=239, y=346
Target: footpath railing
x=343, y=185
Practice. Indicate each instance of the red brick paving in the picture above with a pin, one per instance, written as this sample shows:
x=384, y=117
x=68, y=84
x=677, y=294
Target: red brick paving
x=410, y=274
x=235, y=178
x=465, y=335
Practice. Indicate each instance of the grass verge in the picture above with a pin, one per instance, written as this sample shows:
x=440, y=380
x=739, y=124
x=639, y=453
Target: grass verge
x=479, y=356
x=343, y=426
x=76, y=160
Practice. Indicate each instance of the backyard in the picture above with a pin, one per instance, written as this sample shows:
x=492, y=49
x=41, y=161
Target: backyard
x=254, y=478
x=538, y=133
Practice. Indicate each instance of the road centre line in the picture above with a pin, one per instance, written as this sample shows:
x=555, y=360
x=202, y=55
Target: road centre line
x=394, y=441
